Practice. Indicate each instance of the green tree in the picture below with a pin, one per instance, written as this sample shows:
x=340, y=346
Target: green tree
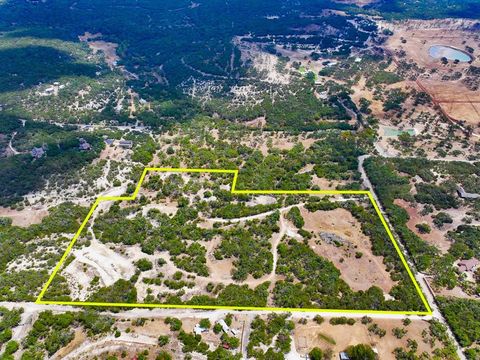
x=423, y=228
x=163, y=355
x=205, y=323
x=163, y=340
x=360, y=352
x=144, y=264
x=11, y=347
x=316, y=354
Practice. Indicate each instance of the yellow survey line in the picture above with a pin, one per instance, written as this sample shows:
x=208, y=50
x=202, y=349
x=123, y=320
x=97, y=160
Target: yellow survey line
x=222, y=307
x=399, y=252
x=65, y=254
x=238, y=192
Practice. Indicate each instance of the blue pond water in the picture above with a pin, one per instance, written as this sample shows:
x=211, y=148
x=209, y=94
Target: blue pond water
x=439, y=51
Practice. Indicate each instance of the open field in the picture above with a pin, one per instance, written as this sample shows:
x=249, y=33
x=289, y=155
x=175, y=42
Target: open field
x=453, y=85
x=315, y=335
x=420, y=35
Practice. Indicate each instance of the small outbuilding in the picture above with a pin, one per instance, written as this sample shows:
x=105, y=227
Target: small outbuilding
x=224, y=326
x=126, y=144
x=198, y=330
x=37, y=152
x=465, y=195
x=84, y=145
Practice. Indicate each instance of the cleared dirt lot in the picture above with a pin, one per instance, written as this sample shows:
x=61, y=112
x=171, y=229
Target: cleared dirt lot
x=139, y=338
x=420, y=35
x=435, y=237
x=109, y=49
x=307, y=336
x=454, y=98
x=24, y=217
x=360, y=273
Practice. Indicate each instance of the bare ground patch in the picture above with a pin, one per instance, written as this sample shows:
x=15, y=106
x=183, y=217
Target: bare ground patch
x=307, y=336
x=359, y=273
x=25, y=217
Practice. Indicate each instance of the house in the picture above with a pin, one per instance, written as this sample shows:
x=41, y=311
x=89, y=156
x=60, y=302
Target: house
x=322, y=95
x=343, y=356
x=463, y=194
x=468, y=265
x=198, y=330
x=126, y=144
x=84, y=145
x=109, y=141
x=37, y=152
x=87, y=127
x=226, y=329
x=49, y=91
x=418, y=179
x=224, y=326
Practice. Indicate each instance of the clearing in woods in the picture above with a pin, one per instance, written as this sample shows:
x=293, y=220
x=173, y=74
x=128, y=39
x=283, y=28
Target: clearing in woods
x=234, y=191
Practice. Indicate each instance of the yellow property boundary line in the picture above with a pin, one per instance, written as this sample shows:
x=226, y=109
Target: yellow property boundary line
x=238, y=192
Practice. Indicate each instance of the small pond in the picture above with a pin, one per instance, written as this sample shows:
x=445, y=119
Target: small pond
x=439, y=51
x=389, y=131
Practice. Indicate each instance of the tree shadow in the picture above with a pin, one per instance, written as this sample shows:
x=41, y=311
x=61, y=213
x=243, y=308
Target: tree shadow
x=24, y=67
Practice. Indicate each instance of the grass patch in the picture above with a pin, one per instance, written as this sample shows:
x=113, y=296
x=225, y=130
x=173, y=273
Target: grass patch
x=327, y=338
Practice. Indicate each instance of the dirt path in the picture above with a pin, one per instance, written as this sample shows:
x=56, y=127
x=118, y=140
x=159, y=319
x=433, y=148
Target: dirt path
x=12, y=149
x=246, y=335
x=25, y=325
x=276, y=241
x=103, y=180
x=99, y=258
x=213, y=315
x=125, y=340
x=253, y=217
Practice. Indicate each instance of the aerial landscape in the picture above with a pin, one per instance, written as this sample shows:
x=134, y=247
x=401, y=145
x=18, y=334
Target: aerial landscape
x=240, y=179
